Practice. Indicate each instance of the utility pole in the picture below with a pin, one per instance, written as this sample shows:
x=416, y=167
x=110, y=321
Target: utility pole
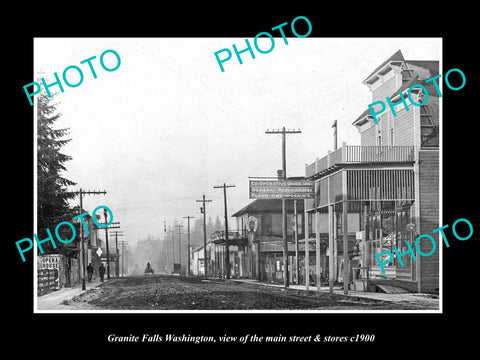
x=116, y=226
x=117, y=260
x=227, y=252
x=164, y=245
x=81, y=193
x=188, y=242
x=179, y=226
x=284, y=202
x=124, y=245
x=204, y=211
x=173, y=249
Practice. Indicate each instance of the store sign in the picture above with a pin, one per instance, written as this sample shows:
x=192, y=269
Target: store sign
x=282, y=189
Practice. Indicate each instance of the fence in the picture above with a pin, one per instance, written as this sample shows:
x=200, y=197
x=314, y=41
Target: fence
x=362, y=154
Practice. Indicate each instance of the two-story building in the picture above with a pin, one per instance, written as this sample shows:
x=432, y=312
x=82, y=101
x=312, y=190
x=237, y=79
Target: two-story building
x=385, y=192
x=260, y=241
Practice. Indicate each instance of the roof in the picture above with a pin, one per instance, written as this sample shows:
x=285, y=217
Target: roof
x=431, y=65
x=267, y=206
x=398, y=56
x=362, y=116
x=432, y=69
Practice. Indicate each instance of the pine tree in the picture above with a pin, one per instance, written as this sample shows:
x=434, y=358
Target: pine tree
x=218, y=226
x=52, y=194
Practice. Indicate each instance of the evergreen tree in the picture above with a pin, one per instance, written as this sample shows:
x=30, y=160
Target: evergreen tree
x=218, y=226
x=196, y=234
x=52, y=194
x=210, y=228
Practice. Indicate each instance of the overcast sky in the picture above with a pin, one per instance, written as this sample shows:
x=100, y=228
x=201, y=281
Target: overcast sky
x=168, y=125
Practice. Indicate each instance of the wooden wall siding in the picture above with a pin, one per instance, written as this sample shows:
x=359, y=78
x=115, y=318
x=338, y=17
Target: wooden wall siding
x=433, y=107
x=384, y=90
x=429, y=217
x=383, y=123
x=404, y=129
x=429, y=115
x=380, y=184
x=367, y=137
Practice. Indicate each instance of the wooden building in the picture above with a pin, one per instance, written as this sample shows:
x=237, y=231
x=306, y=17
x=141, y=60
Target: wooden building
x=370, y=193
x=260, y=244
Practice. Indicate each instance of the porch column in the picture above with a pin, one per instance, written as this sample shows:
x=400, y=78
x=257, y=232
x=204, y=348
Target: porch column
x=346, y=262
x=330, y=233
x=307, y=253
x=345, y=248
x=317, y=248
x=330, y=248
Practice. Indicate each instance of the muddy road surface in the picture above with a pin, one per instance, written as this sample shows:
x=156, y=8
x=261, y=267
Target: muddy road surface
x=161, y=292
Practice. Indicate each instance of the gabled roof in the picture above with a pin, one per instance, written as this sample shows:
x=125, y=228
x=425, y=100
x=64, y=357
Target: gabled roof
x=364, y=115
x=397, y=57
x=413, y=81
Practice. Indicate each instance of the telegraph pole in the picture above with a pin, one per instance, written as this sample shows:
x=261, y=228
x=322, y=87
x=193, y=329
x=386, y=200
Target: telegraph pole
x=179, y=226
x=173, y=249
x=81, y=193
x=123, y=244
x=164, y=247
x=204, y=211
x=106, y=239
x=227, y=253
x=284, y=208
x=188, y=242
x=117, y=261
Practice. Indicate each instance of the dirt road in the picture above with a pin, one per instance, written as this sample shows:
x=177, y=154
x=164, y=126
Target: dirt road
x=159, y=292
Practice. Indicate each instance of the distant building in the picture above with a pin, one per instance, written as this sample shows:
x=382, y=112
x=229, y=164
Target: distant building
x=197, y=260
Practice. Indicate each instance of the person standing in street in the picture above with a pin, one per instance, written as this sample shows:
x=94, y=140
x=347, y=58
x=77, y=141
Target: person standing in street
x=90, y=272
x=101, y=270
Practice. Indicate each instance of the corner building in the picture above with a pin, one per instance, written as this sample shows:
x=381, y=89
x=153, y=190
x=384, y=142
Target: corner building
x=385, y=192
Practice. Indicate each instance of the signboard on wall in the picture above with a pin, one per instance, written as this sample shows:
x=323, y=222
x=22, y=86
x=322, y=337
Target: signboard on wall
x=281, y=189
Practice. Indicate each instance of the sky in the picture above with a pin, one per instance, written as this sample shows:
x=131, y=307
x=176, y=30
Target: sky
x=168, y=124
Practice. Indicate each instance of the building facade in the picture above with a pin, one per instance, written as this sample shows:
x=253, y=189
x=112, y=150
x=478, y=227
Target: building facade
x=385, y=192
x=260, y=242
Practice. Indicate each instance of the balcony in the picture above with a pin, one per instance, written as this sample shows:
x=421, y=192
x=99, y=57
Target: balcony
x=235, y=237
x=358, y=155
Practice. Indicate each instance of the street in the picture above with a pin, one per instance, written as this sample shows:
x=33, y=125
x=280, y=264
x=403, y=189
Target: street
x=161, y=292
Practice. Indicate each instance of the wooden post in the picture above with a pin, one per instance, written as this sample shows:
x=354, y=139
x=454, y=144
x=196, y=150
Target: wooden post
x=317, y=250
x=307, y=252
x=296, y=241
x=330, y=248
x=364, y=238
x=345, y=248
